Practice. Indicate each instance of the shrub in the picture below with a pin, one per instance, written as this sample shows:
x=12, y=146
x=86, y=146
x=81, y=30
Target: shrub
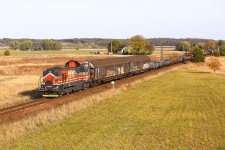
x=6, y=53
x=198, y=55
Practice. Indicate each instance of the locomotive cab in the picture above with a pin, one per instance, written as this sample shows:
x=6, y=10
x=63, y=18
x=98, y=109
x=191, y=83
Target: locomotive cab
x=49, y=82
x=57, y=81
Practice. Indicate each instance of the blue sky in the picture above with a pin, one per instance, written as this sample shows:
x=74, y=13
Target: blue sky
x=112, y=18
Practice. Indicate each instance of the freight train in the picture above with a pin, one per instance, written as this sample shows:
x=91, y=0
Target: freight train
x=78, y=75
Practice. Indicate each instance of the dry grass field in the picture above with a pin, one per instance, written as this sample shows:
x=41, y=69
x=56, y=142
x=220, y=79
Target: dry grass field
x=167, y=55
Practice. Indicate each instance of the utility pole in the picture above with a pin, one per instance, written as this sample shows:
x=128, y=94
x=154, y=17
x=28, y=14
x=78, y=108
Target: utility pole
x=111, y=47
x=183, y=49
x=218, y=49
x=161, y=55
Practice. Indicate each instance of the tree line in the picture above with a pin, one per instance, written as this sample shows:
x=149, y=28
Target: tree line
x=79, y=45
x=46, y=44
x=86, y=42
x=216, y=48
x=173, y=41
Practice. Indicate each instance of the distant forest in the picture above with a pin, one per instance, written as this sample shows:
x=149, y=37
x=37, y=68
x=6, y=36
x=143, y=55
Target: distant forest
x=102, y=43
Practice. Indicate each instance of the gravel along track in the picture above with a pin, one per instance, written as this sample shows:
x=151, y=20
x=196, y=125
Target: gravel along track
x=19, y=111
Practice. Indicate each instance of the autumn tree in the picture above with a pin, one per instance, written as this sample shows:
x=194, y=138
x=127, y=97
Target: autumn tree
x=137, y=43
x=37, y=46
x=221, y=43
x=26, y=45
x=15, y=45
x=48, y=44
x=183, y=45
x=211, y=44
x=222, y=50
x=115, y=45
x=213, y=63
x=200, y=45
x=140, y=45
x=148, y=47
x=198, y=55
x=57, y=45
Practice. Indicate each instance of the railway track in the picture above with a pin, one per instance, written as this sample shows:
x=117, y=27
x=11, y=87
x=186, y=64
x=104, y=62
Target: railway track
x=9, y=113
x=25, y=109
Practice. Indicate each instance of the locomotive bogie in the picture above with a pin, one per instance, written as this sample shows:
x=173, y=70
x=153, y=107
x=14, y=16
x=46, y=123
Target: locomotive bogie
x=58, y=90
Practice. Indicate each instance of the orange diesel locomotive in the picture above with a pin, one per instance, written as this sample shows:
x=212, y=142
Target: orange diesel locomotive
x=61, y=80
